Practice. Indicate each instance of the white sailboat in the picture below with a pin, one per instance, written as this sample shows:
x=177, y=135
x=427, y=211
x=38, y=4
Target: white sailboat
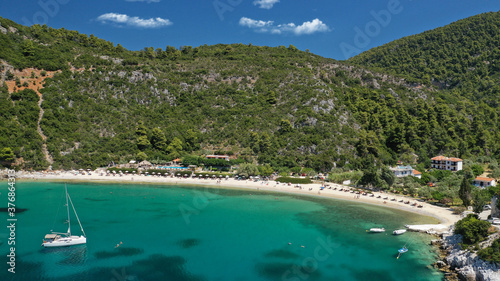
x=58, y=239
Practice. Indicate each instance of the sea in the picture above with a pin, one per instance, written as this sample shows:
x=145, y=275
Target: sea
x=193, y=233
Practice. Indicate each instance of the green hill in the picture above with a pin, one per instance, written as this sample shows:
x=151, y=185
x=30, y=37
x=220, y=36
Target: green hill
x=100, y=103
x=463, y=56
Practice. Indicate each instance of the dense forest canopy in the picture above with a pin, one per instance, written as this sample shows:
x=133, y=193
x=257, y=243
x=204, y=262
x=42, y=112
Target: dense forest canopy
x=463, y=56
x=408, y=100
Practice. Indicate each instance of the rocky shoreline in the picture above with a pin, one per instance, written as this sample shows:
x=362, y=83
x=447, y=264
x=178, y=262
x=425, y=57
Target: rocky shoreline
x=458, y=264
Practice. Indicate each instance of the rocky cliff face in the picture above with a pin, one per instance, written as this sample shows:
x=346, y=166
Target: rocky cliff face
x=467, y=264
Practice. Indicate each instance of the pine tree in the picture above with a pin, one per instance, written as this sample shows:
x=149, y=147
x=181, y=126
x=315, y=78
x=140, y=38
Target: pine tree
x=465, y=188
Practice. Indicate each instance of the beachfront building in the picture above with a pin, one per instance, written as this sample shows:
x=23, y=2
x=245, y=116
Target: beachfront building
x=145, y=165
x=225, y=157
x=404, y=171
x=484, y=182
x=446, y=163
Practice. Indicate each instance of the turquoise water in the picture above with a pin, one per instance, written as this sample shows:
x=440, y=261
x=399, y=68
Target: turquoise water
x=194, y=233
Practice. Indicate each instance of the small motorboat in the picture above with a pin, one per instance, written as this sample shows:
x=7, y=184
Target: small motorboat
x=402, y=251
x=377, y=229
x=399, y=231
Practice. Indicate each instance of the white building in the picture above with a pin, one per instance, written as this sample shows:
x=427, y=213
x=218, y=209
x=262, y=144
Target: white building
x=225, y=157
x=417, y=174
x=404, y=171
x=484, y=182
x=446, y=163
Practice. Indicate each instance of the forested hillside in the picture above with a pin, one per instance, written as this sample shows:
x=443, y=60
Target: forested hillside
x=463, y=56
x=101, y=103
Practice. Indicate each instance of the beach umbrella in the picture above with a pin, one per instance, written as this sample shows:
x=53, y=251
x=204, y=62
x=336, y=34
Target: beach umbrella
x=114, y=172
x=213, y=176
x=153, y=173
x=220, y=176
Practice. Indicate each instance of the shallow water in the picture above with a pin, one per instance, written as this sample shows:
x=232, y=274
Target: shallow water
x=194, y=233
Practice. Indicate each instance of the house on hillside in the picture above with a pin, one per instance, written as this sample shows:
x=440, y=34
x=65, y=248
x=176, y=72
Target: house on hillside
x=404, y=171
x=225, y=157
x=446, y=163
x=484, y=182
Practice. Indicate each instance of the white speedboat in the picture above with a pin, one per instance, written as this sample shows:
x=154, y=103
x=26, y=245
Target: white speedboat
x=377, y=229
x=58, y=239
x=399, y=231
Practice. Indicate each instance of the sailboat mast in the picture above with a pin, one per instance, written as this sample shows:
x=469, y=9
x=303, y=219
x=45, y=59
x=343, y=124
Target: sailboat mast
x=67, y=207
x=76, y=214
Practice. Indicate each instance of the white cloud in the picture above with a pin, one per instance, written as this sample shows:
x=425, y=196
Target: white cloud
x=265, y=4
x=255, y=23
x=121, y=19
x=308, y=27
x=147, y=1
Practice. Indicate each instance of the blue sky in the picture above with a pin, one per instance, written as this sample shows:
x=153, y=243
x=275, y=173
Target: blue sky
x=334, y=29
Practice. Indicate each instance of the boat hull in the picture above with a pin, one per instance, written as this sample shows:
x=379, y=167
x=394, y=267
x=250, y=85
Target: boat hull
x=402, y=250
x=65, y=242
x=399, y=231
x=377, y=230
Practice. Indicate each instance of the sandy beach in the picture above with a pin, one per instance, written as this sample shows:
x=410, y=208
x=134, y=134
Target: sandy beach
x=444, y=215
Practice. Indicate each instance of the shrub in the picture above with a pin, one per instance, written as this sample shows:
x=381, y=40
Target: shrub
x=458, y=210
x=472, y=229
x=294, y=180
x=491, y=253
x=9, y=76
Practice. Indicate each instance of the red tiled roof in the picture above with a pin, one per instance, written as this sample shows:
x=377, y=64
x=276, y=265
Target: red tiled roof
x=484, y=179
x=441, y=158
x=415, y=172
